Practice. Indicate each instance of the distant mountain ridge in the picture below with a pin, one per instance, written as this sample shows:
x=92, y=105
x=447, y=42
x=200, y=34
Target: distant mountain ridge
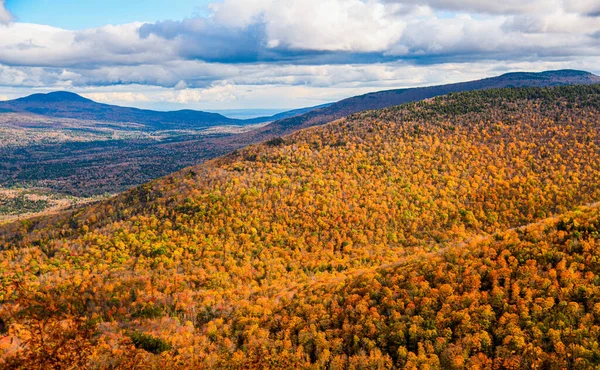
x=388, y=98
x=63, y=104
x=111, y=164
x=287, y=114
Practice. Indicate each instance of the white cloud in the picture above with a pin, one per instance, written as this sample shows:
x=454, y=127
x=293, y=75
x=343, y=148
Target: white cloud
x=220, y=93
x=344, y=25
x=289, y=86
x=181, y=85
x=302, y=32
x=589, y=7
x=268, y=48
x=508, y=7
x=38, y=45
x=118, y=97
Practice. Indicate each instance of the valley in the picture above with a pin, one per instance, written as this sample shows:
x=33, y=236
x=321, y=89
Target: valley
x=95, y=158
x=69, y=145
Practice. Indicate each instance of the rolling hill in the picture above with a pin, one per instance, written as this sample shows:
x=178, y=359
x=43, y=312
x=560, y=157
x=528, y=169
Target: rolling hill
x=62, y=104
x=69, y=105
x=88, y=156
x=388, y=98
x=62, y=144
x=287, y=114
x=390, y=238
x=524, y=298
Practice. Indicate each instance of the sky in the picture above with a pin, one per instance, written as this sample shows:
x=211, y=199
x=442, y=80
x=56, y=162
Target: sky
x=241, y=55
x=78, y=14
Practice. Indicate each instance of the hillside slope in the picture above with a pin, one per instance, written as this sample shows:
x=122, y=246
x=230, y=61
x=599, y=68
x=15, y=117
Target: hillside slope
x=107, y=149
x=94, y=157
x=62, y=104
x=201, y=268
x=527, y=298
x=68, y=105
x=384, y=99
x=285, y=115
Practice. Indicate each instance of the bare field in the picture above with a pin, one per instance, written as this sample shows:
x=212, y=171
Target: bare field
x=22, y=203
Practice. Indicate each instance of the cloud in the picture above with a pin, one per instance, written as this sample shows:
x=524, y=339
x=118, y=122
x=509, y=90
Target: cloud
x=509, y=7
x=111, y=97
x=44, y=46
x=587, y=7
x=353, y=31
x=295, y=46
x=204, y=39
x=288, y=86
x=332, y=25
x=5, y=16
x=309, y=32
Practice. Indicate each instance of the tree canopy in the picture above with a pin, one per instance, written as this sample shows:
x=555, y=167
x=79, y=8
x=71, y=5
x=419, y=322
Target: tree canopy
x=390, y=238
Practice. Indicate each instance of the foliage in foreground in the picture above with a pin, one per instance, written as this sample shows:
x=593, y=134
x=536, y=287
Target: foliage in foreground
x=527, y=298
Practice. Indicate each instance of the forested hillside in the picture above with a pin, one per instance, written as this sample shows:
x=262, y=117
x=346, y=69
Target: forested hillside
x=65, y=145
x=388, y=98
x=527, y=298
x=387, y=239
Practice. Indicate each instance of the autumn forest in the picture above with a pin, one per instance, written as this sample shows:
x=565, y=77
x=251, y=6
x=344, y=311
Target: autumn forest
x=455, y=232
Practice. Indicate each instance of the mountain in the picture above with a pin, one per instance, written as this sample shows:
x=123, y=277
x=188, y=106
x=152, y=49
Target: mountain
x=63, y=104
x=97, y=157
x=388, y=98
x=388, y=239
x=69, y=105
x=287, y=114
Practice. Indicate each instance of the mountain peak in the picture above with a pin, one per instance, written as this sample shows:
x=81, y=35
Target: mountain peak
x=558, y=74
x=55, y=97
